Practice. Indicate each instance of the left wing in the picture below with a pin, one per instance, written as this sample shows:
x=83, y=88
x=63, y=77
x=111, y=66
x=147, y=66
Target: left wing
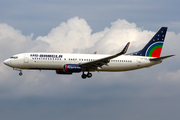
x=93, y=65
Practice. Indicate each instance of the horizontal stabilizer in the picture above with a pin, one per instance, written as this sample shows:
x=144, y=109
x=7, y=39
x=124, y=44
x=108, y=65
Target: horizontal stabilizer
x=160, y=58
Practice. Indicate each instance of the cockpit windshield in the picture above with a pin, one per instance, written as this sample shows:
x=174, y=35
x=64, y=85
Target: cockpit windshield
x=14, y=57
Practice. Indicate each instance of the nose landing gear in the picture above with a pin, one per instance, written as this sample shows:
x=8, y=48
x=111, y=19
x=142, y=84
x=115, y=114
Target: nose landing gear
x=20, y=74
x=84, y=76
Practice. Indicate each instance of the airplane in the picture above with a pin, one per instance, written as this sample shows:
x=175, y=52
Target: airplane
x=67, y=64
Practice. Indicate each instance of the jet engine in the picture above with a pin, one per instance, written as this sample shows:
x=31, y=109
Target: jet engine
x=72, y=68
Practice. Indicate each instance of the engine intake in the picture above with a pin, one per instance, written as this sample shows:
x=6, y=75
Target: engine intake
x=72, y=68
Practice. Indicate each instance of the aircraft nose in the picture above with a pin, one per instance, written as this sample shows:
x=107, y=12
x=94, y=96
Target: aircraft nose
x=6, y=62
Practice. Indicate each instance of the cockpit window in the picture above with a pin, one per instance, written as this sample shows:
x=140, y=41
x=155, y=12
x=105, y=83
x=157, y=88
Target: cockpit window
x=14, y=57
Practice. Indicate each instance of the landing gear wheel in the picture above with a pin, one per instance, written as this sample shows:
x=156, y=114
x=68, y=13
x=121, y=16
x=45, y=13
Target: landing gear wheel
x=20, y=74
x=83, y=76
x=89, y=75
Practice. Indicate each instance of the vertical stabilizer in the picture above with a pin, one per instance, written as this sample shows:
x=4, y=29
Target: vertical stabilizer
x=154, y=47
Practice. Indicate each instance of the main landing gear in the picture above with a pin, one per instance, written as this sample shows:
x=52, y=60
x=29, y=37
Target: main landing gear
x=84, y=76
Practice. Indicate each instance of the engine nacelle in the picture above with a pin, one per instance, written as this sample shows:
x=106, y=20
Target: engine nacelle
x=72, y=68
x=62, y=72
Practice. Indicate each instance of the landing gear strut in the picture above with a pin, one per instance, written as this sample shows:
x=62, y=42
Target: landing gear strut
x=84, y=76
x=20, y=73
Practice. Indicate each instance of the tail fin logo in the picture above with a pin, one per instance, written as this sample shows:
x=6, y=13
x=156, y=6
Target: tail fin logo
x=154, y=50
x=154, y=47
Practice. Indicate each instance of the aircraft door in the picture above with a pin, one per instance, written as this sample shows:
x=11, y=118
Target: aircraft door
x=26, y=58
x=138, y=61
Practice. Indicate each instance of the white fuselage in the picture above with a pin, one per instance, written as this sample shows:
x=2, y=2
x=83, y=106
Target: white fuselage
x=56, y=61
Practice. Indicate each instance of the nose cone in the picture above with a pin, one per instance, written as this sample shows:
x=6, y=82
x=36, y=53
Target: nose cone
x=6, y=62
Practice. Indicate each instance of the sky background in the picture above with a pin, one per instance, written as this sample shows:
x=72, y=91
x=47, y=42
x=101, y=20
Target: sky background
x=85, y=26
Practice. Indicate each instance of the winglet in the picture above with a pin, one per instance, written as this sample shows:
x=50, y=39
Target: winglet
x=125, y=49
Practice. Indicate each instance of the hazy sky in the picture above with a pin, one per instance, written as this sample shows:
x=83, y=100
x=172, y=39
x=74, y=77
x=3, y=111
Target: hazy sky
x=78, y=26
